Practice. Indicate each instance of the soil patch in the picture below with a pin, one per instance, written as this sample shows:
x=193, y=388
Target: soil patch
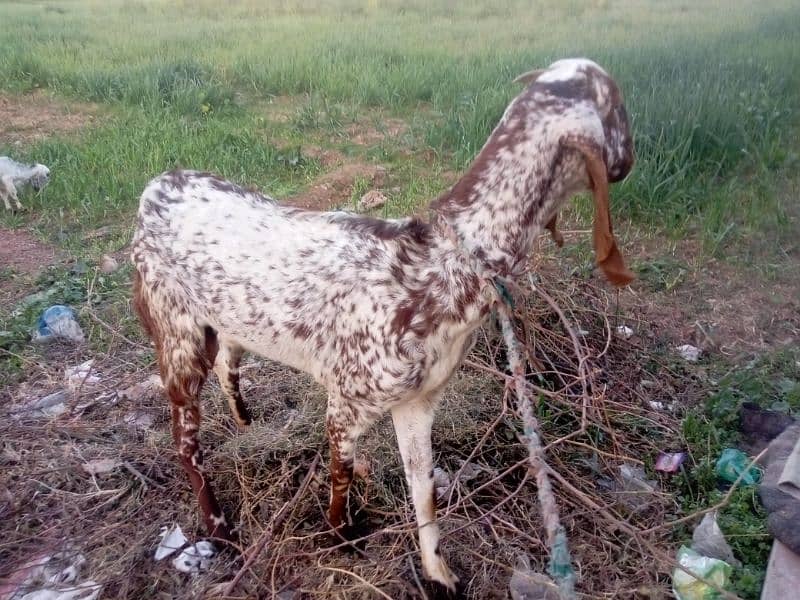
x=335, y=188
x=22, y=256
x=32, y=117
x=718, y=305
x=369, y=134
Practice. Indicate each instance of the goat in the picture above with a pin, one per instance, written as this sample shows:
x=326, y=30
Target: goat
x=380, y=312
x=14, y=174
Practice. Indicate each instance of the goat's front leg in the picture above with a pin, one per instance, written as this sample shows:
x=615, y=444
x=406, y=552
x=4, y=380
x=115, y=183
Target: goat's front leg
x=412, y=424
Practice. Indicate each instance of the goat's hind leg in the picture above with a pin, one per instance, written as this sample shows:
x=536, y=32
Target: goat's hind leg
x=185, y=365
x=226, y=367
x=412, y=424
x=185, y=355
x=8, y=190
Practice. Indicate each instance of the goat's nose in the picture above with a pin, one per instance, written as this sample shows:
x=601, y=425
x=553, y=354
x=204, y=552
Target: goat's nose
x=620, y=170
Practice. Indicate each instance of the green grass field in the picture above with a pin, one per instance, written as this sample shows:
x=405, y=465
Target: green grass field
x=281, y=94
x=710, y=88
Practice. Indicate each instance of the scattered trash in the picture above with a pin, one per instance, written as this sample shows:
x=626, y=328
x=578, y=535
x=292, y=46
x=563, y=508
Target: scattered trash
x=655, y=405
x=634, y=490
x=58, y=322
x=151, y=385
x=441, y=481
x=172, y=540
x=196, y=558
x=372, y=199
x=686, y=587
x=51, y=405
x=732, y=463
x=468, y=471
x=81, y=375
x=624, y=331
x=708, y=540
x=670, y=462
x=689, y=353
x=583, y=332
x=526, y=584
x=52, y=577
x=101, y=465
x=141, y=420
x=108, y=264
x=192, y=559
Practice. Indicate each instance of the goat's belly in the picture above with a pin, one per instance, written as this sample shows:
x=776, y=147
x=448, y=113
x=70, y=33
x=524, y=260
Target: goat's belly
x=450, y=357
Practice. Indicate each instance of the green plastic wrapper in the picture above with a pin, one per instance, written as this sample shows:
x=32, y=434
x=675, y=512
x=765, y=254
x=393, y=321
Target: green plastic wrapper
x=686, y=587
x=732, y=463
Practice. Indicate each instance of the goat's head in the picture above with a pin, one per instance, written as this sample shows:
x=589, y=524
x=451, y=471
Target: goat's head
x=40, y=176
x=598, y=129
x=582, y=81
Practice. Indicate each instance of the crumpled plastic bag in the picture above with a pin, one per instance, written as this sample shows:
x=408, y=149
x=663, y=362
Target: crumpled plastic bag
x=708, y=540
x=732, y=463
x=686, y=587
x=58, y=322
x=527, y=584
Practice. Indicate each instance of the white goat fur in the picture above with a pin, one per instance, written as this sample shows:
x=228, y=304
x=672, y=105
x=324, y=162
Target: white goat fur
x=14, y=175
x=379, y=312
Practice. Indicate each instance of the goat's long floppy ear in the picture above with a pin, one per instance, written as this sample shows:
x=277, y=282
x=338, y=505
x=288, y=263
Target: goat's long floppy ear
x=529, y=77
x=606, y=252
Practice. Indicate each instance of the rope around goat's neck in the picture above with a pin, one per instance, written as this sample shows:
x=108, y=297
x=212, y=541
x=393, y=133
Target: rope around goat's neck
x=560, y=565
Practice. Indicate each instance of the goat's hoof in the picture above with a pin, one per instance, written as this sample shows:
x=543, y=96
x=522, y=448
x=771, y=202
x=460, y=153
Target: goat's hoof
x=438, y=591
x=222, y=535
x=441, y=578
x=352, y=533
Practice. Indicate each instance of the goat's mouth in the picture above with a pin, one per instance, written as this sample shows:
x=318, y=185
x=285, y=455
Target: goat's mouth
x=619, y=171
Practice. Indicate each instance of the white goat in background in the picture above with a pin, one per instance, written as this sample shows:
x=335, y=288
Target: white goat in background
x=14, y=175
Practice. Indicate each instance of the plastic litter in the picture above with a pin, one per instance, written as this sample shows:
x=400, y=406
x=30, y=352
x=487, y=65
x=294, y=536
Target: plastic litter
x=172, y=540
x=526, y=584
x=689, y=353
x=151, y=385
x=196, y=558
x=732, y=463
x=55, y=577
x=101, y=465
x=441, y=481
x=624, y=332
x=81, y=375
x=686, y=587
x=51, y=405
x=138, y=419
x=634, y=489
x=58, y=322
x=708, y=540
x=669, y=462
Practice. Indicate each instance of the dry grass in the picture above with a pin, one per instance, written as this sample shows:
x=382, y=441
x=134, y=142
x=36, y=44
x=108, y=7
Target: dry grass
x=488, y=520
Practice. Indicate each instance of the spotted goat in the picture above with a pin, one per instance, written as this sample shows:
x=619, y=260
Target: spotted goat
x=380, y=312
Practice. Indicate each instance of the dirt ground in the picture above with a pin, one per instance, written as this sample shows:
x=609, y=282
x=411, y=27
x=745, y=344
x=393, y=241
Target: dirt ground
x=35, y=116
x=334, y=189
x=22, y=256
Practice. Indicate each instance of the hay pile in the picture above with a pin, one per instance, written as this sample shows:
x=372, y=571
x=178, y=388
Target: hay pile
x=488, y=513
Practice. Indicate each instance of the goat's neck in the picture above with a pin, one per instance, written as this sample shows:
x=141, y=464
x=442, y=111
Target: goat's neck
x=501, y=204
